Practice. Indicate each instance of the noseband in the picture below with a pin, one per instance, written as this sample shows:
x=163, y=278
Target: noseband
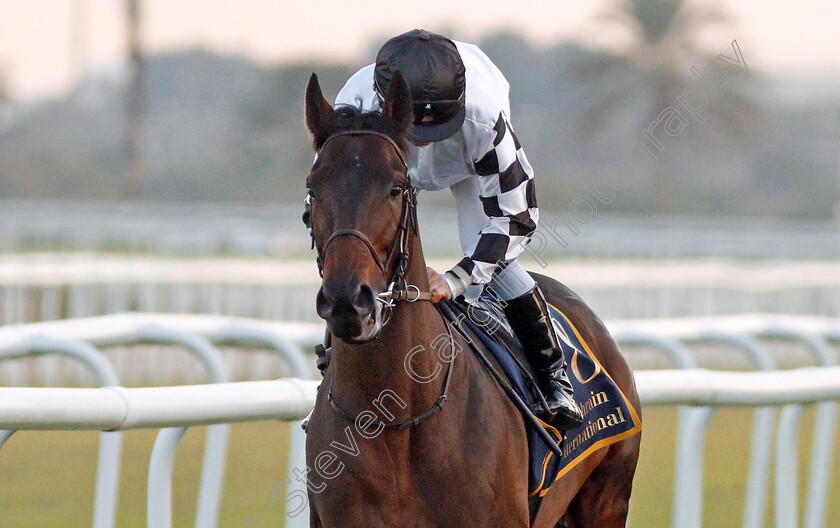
x=397, y=290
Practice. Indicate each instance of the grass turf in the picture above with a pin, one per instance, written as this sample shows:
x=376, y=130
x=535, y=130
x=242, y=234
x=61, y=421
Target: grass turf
x=47, y=478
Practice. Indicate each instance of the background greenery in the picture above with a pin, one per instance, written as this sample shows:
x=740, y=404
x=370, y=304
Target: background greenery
x=222, y=128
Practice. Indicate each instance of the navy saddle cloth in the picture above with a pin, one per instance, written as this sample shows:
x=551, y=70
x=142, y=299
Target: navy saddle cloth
x=608, y=416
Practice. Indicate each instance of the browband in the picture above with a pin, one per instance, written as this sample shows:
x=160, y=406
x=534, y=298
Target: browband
x=386, y=137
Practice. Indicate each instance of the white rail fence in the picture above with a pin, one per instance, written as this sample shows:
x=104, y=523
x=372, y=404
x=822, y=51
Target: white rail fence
x=113, y=408
x=197, y=228
x=200, y=335
x=53, y=286
x=46, y=287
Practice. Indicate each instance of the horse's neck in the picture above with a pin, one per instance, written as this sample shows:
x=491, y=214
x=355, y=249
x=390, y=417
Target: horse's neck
x=362, y=372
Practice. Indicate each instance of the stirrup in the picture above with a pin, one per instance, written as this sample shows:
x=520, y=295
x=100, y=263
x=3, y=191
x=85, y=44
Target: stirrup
x=558, y=397
x=567, y=414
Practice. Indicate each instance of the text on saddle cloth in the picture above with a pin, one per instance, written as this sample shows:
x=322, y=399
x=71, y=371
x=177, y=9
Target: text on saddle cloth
x=608, y=415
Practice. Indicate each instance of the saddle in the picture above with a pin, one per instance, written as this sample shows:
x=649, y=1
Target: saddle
x=608, y=415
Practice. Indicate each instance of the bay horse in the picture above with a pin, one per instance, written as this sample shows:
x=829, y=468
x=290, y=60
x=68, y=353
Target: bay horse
x=405, y=431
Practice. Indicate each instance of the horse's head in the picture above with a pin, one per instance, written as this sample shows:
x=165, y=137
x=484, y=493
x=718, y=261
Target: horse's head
x=361, y=205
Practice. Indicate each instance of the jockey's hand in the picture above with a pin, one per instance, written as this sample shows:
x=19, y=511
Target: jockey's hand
x=438, y=286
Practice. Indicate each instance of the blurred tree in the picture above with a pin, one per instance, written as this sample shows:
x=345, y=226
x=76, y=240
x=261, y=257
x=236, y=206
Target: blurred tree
x=662, y=57
x=5, y=104
x=136, y=103
x=4, y=88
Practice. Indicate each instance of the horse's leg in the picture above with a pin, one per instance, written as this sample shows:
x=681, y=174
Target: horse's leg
x=314, y=520
x=604, y=499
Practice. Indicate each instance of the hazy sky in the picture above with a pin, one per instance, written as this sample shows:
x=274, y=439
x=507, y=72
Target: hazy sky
x=46, y=44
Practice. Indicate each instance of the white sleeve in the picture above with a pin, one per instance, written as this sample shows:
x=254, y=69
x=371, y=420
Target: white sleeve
x=358, y=91
x=507, y=193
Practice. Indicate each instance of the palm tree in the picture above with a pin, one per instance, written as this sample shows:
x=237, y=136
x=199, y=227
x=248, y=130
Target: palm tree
x=662, y=57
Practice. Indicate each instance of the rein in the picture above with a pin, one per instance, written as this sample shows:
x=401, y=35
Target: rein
x=414, y=420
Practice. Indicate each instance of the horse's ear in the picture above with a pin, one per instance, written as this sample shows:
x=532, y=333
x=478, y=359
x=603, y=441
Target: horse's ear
x=317, y=110
x=397, y=104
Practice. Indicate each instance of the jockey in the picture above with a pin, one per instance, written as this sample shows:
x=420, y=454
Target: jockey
x=462, y=139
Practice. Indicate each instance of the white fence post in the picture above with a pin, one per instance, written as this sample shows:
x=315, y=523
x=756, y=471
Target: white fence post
x=17, y=345
x=117, y=408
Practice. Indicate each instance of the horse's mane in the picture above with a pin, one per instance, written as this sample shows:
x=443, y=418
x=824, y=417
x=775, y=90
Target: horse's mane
x=346, y=117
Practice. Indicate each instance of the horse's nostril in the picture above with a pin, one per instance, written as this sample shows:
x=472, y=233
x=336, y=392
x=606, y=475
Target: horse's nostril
x=345, y=307
x=364, y=300
x=323, y=304
x=349, y=300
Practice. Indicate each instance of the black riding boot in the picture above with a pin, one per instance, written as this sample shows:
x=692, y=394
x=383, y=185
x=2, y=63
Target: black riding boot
x=529, y=318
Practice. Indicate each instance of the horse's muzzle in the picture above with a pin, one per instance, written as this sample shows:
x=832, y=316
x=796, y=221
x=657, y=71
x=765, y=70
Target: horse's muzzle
x=350, y=310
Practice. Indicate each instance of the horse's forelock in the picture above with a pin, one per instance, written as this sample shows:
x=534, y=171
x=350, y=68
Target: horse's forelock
x=352, y=118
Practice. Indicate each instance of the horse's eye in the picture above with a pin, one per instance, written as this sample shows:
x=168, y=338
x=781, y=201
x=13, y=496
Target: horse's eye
x=310, y=194
x=396, y=190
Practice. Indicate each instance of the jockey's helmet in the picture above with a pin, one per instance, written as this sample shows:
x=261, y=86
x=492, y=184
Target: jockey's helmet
x=433, y=68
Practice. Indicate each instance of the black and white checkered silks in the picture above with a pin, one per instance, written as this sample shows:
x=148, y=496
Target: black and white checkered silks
x=485, y=168
x=507, y=193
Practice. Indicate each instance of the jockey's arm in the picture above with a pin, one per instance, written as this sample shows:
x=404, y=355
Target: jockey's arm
x=506, y=186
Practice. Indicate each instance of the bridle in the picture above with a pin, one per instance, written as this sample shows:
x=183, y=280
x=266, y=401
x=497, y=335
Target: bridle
x=398, y=289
